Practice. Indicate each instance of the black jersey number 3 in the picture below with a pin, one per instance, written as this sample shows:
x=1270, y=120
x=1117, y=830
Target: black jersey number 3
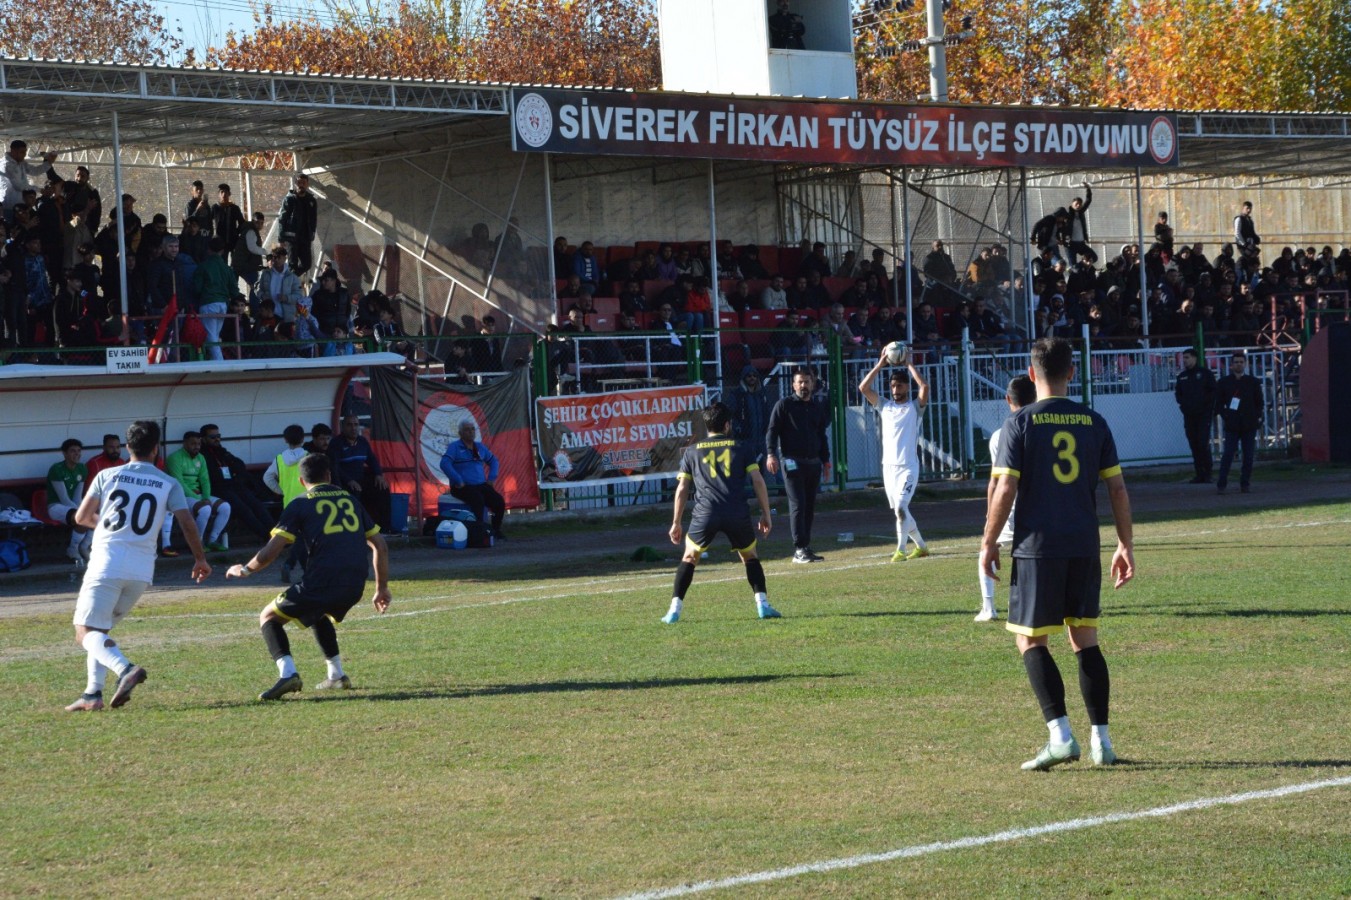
x=1065, y=443
x=142, y=512
x=343, y=507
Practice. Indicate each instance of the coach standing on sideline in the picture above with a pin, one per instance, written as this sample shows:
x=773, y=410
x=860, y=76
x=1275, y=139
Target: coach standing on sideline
x=1195, y=393
x=796, y=443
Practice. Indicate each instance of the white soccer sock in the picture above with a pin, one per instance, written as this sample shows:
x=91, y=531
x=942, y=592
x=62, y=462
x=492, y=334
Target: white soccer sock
x=203, y=517
x=334, y=666
x=105, y=650
x=900, y=530
x=986, y=588
x=1060, y=730
x=98, y=674
x=676, y=605
x=286, y=667
x=168, y=531
x=1100, y=736
x=75, y=538
x=222, y=519
x=761, y=599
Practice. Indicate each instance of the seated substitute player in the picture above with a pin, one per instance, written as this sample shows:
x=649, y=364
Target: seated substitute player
x=65, y=489
x=716, y=469
x=1051, y=455
x=124, y=506
x=335, y=529
x=1022, y=392
x=900, y=447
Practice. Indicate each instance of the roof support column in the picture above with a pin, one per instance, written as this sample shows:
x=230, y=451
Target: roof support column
x=713, y=280
x=1029, y=296
x=549, y=231
x=1140, y=242
x=121, y=230
x=907, y=257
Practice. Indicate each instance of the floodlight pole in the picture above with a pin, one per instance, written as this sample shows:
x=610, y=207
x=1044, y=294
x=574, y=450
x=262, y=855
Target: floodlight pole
x=938, y=53
x=121, y=230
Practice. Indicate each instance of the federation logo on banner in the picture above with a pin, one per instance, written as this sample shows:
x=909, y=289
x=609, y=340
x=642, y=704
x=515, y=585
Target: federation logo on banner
x=1162, y=139
x=534, y=120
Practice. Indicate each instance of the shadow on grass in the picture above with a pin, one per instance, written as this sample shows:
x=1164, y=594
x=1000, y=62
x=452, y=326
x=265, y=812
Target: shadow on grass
x=1261, y=613
x=542, y=687
x=1206, y=764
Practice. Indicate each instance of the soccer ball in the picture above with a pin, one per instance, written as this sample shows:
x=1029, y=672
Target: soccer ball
x=897, y=353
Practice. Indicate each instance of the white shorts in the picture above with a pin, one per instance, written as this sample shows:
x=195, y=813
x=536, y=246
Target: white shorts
x=900, y=484
x=59, y=511
x=104, y=602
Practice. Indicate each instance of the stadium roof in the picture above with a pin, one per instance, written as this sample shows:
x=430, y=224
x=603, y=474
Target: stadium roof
x=71, y=103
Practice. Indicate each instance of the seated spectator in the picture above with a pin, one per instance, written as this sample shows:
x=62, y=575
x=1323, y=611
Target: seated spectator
x=741, y=298
x=938, y=265
x=109, y=458
x=237, y=328
x=818, y=296
x=648, y=270
x=774, y=296
x=586, y=267
x=961, y=319
x=884, y=325
x=633, y=349
x=669, y=348
x=684, y=262
x=790, y=340
x=631, y=298
x=389, y=334
x=471, y=469
x=66, y=483
x=816, y=261
x=667, y=269
x=308, y=331
x=232, y=481
x=329, y=303
x=799, y=297
x=459, y=365
x=926, y=325
x=980, y=273
x=750, y=264
x=699, y=306
x=562, y=258
x=573, y=288
x=834, y=321
x=341, y=345
x=623, y=271
x=479, y=248
x=487, y=350
x=188, y=467
x=356, y=468
x=857, y=296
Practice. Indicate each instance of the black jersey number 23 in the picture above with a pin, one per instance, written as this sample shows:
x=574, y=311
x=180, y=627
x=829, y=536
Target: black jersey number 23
x=342, y=515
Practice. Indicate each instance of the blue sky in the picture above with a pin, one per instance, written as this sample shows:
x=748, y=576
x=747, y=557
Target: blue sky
x=204, y=23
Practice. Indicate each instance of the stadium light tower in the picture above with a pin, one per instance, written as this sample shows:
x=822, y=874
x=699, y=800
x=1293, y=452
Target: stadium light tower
x=936, y=42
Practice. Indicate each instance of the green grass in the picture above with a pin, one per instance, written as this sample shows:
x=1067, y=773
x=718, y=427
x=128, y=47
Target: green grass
x=531, y=733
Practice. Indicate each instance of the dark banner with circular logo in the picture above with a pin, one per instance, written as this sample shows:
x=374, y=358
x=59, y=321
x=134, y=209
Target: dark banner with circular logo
x=555, y=120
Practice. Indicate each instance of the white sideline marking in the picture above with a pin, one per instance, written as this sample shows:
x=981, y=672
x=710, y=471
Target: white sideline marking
x=865, y=859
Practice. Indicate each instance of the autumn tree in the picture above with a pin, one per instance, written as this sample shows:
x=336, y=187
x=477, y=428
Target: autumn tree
x=124, y=31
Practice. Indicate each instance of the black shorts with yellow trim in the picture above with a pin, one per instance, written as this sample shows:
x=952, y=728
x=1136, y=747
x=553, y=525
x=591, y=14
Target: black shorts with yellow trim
x=740, y=532
x=296, y=604
x=1045, y=595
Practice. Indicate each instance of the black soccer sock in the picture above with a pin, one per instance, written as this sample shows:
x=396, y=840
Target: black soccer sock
x=684, y=575
x=755, y=574
x=327, y=636
x=1094, y=683
x=1046, y=682
x=274, y=635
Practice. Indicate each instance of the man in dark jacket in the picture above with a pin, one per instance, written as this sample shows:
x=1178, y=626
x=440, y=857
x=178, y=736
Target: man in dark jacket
x=299, y=221
x=1195, y=393
x=796, y=444
x=1239, y=404
x=750, y=407
x=231, y=480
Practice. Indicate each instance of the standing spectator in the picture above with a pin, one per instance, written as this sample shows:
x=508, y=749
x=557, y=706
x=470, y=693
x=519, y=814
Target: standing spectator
x=307, y=331
x=122, y=563
x=94, y=211
x=1245, y=232
x=214, y=284
x=199, y=210
x=1076, y=230
x=299, y=223
x=938, y=265
x=1195, y=393
x=283, y=477
x=14, y=174
x=51, y=227
x=321, y=437
x=786, y=29
x=172, y=274
x=66, y=481
x=796, y=443
x=1239, y=404
x=280, y=285
x=1163, y=233
x=750, y=407
x=232, y=481
x=13, y=290
x=188, y=465
x=108, y=458
x=562, y=258
x=39, y=302
x=471, y=469
x=901, y=420
x=226, y=219
x=247, y=258
x=329, y=302
x=487, y=350
x=192, y=240
x=334, y=535
x=1051, y=456
x=356, y=468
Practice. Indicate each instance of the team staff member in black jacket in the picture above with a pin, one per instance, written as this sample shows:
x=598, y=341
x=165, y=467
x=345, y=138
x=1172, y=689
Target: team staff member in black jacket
x=796, y=442
x=1239, y=404
x=1195, y=393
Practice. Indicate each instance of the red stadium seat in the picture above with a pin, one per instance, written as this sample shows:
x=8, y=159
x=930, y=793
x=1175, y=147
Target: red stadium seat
x=607, y=306
x=837, y=286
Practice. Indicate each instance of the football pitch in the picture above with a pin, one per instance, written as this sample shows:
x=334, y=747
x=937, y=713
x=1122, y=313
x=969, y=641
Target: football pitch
x=534, y=731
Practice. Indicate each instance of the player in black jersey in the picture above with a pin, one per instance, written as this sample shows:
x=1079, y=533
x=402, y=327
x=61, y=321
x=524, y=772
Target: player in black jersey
x=335, y=529
x=1051, y=455
x=716, y=470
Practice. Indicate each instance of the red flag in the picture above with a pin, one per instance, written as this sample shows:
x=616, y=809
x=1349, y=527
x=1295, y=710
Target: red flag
x=158, y=352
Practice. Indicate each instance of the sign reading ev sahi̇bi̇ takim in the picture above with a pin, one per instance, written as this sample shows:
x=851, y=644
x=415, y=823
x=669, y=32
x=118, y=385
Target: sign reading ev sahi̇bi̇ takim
x=617, y=437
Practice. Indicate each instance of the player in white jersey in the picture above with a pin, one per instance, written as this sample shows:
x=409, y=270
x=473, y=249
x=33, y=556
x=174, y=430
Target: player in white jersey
x=900, y=447
x=125, y=506
x=1022, y=392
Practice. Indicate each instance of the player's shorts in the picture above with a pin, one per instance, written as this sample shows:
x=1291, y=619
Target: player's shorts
x=296, y=604
x=60, y=512
x=103, y=602
x=900, y=484
x=740, y=532
x=1045, y=595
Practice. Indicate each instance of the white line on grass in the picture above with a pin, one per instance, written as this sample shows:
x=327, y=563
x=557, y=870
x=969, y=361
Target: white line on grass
x=865, y=859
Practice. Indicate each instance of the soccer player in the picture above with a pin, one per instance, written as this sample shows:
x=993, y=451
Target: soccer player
x=1022, y=392
x=716, y=469
x=65, y=489
x=336, y=530
x=1051, y=456
x=900, y=445
x=124, y=506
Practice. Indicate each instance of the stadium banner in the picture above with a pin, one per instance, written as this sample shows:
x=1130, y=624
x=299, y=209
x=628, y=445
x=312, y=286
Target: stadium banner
x=697, y=126
x=616, y=438
x=426, y=414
